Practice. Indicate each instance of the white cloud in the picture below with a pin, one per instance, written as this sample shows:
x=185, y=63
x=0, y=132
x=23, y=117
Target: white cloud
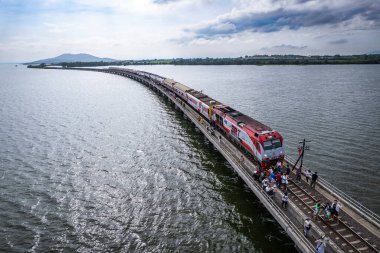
x=138, y=29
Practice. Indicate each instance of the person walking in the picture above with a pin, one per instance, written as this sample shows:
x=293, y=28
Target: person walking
x=285, y=199
x=298, y=175
x=306, y=226
x=326, y=211
x=287, y=170
x=335, y=209
x=256, y=174
x=278, y=180
x=242, y=159
x=316, y=209
x=284, y=181
x=314, y=178
x=321, y=244
x=307, y=175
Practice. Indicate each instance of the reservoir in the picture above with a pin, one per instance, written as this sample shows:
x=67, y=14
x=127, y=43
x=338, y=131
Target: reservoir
x=90, y=160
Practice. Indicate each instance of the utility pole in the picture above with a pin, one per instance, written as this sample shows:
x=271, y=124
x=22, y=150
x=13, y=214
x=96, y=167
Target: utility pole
x=300, y=157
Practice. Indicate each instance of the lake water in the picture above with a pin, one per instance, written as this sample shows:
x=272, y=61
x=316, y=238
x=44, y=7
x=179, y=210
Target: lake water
x=91, y=162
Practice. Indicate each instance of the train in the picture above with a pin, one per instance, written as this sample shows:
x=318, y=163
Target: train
x=260, y=141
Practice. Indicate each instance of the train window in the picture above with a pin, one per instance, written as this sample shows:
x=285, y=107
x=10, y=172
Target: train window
x=276, y=143
x=268, y=145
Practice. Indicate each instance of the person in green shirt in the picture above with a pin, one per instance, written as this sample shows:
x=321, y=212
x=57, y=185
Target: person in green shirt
x=317, y=207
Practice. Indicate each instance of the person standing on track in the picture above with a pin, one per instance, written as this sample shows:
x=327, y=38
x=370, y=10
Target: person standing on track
x=316, y=209
x=314, y=178
x=335, y=209
x=307, y=175
x=278, y=179
x=284, y=181
x=287, y=170
x=285, y=199
x=306, y=226
x=298, y=175
x=321, y=244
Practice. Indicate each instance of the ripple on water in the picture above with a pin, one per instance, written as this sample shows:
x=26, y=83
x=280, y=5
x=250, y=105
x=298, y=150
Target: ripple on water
x=95, y=162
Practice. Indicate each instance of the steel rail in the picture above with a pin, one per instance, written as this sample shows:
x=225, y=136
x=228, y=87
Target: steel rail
x=370, y=215
x=341, y=236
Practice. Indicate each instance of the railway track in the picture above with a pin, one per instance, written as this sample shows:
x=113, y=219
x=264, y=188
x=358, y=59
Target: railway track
x=342, y=233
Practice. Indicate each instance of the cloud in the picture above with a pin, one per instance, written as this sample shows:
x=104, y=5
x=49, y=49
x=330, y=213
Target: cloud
x=136, y=29
x=164, y=1
x=292, y=17
x=283, y=46
x=337, y=42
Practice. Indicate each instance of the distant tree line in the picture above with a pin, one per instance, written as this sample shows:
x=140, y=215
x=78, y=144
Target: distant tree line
x=247, y=60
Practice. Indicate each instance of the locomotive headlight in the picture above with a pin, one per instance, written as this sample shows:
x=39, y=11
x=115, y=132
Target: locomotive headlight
x=265, y=155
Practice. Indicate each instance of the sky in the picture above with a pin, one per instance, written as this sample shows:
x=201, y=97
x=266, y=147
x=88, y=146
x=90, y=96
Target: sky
x=150, y=29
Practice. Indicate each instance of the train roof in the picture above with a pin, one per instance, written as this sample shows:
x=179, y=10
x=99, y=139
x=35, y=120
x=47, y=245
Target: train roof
x=177, y=85
x=244, y=120
x=204, y=98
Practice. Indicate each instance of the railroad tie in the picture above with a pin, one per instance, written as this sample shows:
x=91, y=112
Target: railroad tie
x=341, y=230
x=363, y=248
x=349, y=235
x=355, y=242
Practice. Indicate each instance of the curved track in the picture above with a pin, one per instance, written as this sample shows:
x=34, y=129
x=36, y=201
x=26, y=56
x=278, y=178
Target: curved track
x=340, y=232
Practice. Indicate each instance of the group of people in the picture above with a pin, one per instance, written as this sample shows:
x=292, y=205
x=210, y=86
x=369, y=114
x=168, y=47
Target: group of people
x=327, y=210
x=278, y=178
x=308, y=176
x=273, y=178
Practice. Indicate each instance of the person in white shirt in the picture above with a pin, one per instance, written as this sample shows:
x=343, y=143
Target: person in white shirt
x=306, y=226
x=307, y=175
x=285, y=199
x=321, y=244
x=335, y=209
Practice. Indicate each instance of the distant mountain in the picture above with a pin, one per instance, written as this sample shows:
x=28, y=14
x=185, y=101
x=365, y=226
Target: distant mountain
x=72, y=58
x=374, y=52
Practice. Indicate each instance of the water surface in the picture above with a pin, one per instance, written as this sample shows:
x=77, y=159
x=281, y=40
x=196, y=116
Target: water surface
x=91, y=162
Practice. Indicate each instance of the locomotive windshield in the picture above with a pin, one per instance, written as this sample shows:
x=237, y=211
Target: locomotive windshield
x=272, y=144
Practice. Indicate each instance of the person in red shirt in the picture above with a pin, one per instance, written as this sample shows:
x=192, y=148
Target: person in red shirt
x=278, y=180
